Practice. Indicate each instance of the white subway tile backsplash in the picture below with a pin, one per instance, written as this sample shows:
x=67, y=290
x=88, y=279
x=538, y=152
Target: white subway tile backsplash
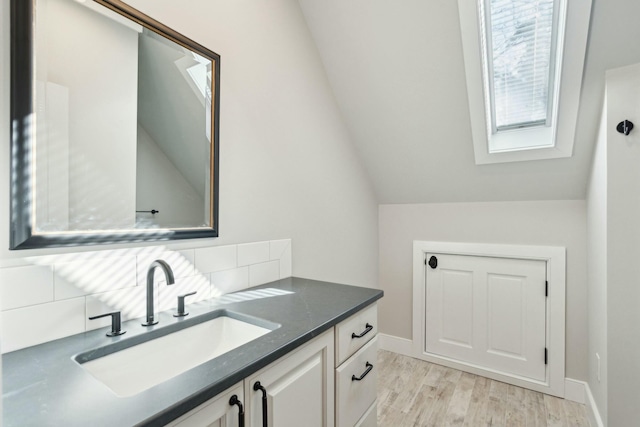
x=93, y=275
x=218, y=258
x=286, y=267
x=277, y=248
x=48, y=297
x=24, y=327
x=253, y=253
x=24, y=286
x=168, y=295
x=281, y=250
x=264, y=273
x=227, y=281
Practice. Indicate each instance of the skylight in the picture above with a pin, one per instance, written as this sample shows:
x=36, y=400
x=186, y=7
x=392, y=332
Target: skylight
x=520, y=43
x=523, y=82
x=200, y=74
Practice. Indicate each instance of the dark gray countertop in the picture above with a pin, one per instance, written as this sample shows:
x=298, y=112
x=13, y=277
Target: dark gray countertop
x=43, y=386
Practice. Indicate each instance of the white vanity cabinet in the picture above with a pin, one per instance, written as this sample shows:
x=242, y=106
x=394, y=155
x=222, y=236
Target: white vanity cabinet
x=329, y=381
x=216, y=412
x=299, y=391
x=296, y=390
x=356, y=369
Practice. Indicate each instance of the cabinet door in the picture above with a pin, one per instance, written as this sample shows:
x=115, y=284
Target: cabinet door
x=216, y=412
x=299, y=388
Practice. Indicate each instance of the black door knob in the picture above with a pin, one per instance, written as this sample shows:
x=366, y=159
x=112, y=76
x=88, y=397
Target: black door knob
x=433, y=262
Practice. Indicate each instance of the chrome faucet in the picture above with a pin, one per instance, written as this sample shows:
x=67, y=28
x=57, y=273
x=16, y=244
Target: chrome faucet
x=168, y=273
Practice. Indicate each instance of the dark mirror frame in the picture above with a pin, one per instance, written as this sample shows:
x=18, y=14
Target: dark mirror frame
x=22, y=109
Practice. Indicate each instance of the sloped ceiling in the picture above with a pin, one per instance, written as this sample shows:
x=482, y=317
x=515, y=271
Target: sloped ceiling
x=396, y=69
x=181, y=120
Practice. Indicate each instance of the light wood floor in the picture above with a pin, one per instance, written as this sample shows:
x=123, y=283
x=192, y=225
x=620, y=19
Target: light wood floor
x=413, y=392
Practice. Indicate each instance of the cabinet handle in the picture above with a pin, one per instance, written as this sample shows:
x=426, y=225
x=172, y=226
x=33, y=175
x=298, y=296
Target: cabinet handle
x=235, y=401
x=363, y=333
x=364, y=374
x=257, y=386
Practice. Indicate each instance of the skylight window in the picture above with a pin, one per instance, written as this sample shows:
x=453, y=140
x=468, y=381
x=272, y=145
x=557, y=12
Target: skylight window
x=200, y=74
x=523, y=83
x=520, y=44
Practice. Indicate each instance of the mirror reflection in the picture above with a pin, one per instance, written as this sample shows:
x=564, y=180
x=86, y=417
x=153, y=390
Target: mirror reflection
x=123, y=124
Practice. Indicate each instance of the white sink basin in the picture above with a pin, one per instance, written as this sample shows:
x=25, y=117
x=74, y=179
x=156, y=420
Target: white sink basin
x=134, y=369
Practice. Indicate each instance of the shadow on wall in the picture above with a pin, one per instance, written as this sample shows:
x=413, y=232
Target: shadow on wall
x=106, y=279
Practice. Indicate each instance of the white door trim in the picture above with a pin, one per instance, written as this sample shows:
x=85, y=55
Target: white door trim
x=555, y=258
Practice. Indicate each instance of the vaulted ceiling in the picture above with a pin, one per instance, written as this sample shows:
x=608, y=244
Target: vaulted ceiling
x=397, y=72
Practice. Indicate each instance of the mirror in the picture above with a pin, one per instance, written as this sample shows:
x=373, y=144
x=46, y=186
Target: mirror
x=114, y=127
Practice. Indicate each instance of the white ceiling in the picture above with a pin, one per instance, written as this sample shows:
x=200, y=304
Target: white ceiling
x=397, y=72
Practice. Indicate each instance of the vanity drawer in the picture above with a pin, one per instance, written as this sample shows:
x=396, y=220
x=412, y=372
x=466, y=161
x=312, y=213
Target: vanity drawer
x=363, y=323
x=370, y=418
x=354, y=397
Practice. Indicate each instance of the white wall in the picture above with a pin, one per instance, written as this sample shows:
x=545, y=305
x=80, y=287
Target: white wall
x=623, y=248
x=597, y=269
x=545, y=223
x=288, y=168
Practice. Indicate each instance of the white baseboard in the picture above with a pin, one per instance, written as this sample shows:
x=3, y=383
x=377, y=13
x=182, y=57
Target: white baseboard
x=580, y=392
x=395, y=344
x=575, y=390
x=592, y=409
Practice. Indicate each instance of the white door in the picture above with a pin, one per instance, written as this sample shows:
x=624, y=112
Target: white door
x=487, y=312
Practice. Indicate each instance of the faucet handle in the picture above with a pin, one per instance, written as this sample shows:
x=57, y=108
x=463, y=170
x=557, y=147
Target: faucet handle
x=116, y=323
x=181, y=298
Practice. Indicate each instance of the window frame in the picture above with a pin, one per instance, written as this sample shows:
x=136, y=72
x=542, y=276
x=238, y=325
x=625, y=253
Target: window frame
x=568, y=76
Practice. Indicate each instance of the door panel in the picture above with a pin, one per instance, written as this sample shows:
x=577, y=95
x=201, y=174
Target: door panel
x=506, y=313
x=450, y=313
x=457, y=307
x=490, y=312
x=304, y=386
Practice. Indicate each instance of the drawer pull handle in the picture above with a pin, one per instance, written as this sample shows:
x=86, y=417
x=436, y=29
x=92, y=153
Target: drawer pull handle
x=364, y=374
x=257, y=386
x=365, y=332
x=235, y=401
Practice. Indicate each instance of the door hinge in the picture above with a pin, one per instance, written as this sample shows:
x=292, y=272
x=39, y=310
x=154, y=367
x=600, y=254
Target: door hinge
x=546, y=288
x=545, y=355
x=425, y=261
